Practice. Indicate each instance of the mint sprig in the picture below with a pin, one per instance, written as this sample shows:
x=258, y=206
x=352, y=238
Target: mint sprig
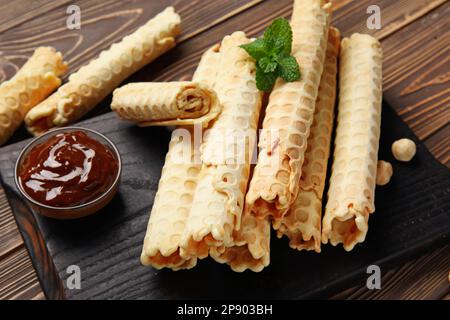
x=272, y=54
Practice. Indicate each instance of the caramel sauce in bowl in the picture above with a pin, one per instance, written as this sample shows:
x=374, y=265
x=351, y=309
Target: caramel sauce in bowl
x=68, y=173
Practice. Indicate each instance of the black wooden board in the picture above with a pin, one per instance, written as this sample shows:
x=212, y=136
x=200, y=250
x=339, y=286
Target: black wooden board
x=412, y=216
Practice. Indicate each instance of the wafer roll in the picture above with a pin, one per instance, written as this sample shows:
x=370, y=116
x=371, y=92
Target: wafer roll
x=94, y=81
x=251, y=245
x=36, y=80
x=172, y=204
x=166, y=103
x=179, y=177
x=206, y=71
x=226, y=150
x=353, y=174
x=289, y=115
x=302, y=223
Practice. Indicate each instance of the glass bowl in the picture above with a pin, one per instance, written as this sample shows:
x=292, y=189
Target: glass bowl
x=71, y=212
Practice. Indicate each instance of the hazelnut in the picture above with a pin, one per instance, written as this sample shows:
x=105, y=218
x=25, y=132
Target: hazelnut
x=384, y=172
x=404, y=149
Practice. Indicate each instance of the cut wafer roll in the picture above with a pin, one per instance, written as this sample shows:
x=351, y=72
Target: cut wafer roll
x=289, y=115
x=178, y=182
x=302, y=223
x=226, y=150
x=166, y=103
x=34, y=82
x=352, y=185
x=94, y=81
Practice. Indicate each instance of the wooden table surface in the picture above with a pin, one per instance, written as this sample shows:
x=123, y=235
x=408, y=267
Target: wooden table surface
x=415, y=36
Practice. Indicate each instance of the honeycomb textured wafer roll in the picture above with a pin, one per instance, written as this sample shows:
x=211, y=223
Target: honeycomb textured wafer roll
x=289, y=115
x=353, y=174
x=166, y=103
x=251, y=245
x=172, y=205
x=34, y=82
x=173, y=200
x=302, y=223
x=94, y=81
x=208, y=67
x=219, y=197
x=44, y=60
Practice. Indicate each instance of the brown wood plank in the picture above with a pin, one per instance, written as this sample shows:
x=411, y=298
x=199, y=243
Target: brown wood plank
x=417, y=72
x=17, y=277
x=439, y=145
x=22, y=10
x=425, y=278
x=103, y=24
x=10, y=238
x=394, y=15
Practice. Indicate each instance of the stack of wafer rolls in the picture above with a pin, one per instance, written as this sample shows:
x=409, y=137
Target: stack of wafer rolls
x=93, y=82
x=226, y=151
x=207, y=205
x=34, y=82
x=302, y=223
x=289, y=115
x=352, y=185
x=178, y=182
x=166, y=103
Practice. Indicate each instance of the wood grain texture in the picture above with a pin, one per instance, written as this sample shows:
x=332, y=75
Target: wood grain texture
x=9, y=234
x=394, y=15
x=417, y=81
x=417, y=73
x=102, y=24
x=439, y=145
x=23, y=11
x=17, y=277
x=424, y=278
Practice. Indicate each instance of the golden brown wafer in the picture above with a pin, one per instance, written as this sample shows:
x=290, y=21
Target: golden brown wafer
x=251, y=245
x=302, y=223
x=166, y=103
x=219, y=197
x=289, y=115
x=353, y=174
x=34, y=82
x=178, y=182
x=172, y=204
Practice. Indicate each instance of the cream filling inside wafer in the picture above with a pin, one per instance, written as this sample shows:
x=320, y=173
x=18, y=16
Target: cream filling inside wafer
x=193, y=101
x=170, y=103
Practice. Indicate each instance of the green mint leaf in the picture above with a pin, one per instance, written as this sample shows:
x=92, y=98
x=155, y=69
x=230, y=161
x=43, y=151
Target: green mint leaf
x=278, y=37
x=272, y=55
x=256, y=49
x=267, y=65
x=288, y=68
x=265, y=81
